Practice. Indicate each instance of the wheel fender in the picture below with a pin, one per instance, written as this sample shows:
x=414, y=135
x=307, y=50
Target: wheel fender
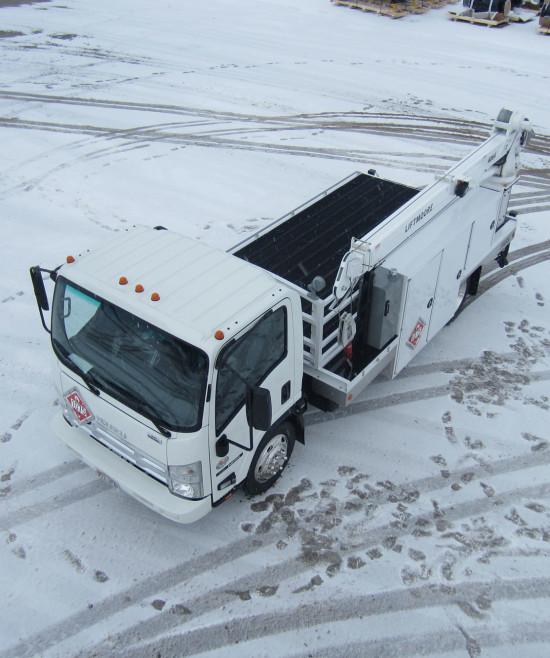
x=297, y=420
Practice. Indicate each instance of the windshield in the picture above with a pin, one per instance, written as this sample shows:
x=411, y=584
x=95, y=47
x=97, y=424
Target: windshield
x=143, y=367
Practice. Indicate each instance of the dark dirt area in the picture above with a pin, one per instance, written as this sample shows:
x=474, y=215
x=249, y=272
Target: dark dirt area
x=18, y=3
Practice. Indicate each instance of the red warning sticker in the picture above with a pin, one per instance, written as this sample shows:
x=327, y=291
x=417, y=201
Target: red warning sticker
x=79, y=407
x=416, y=333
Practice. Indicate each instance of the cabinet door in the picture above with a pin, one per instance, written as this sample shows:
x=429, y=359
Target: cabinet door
x=450, y=279
x=417, y=313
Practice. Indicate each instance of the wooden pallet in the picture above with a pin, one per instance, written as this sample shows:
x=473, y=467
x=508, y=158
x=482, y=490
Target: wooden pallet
x=498, y=21
x=544, y=30
x=418, y=6
x=521, y=16
x=393, y=10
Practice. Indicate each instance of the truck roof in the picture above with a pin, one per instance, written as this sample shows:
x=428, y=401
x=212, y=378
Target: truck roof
x=201, y=289
x=312, y=240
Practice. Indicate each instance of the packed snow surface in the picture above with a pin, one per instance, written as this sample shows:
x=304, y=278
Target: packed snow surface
x=416, y=521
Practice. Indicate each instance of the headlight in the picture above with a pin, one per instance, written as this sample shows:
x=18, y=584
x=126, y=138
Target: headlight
x=186, y=481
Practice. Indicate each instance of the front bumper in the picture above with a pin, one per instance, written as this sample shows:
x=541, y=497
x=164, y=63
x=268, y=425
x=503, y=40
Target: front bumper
x=130, y=479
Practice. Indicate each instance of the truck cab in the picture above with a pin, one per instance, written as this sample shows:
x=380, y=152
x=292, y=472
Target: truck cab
x=181, y=361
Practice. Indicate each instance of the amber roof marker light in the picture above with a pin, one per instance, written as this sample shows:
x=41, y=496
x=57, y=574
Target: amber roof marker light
x=155, y=297
x=123, y=280
x=139, y=288
x=219, y=335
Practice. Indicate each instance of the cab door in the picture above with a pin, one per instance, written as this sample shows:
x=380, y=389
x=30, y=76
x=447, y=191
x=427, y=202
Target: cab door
x=261, y=356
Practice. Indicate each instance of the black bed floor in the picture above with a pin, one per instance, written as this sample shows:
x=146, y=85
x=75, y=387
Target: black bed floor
x=313, y=241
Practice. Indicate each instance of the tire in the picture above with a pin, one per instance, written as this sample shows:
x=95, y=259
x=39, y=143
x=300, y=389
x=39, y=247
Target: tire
x=270, y=459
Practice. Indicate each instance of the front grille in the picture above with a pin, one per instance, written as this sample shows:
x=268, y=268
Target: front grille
x=128, y=452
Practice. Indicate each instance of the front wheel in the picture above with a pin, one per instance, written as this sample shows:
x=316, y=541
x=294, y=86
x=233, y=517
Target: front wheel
x=270, y=459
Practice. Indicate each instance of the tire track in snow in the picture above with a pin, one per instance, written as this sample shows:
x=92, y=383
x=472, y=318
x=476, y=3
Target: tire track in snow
x=115, y=603
x=167, y=622
x=145, y=137
x=449, y=640
x=421, y=127
x=142, y=138
x=470, y=130
x=206, y=638
x=243, y=630
x=45, y=478
x=154, y=132
x=388, y=123
x=52, y=504
x=215, y=599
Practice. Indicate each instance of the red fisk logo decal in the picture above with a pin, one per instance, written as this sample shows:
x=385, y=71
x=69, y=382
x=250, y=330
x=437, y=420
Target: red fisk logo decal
x=416, y=333
x=79, y=407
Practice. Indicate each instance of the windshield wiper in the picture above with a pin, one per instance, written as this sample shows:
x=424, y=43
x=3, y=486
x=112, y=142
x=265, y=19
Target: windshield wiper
x=145, y=408
x=152, y=416
x=160, y=428
x=90, y=381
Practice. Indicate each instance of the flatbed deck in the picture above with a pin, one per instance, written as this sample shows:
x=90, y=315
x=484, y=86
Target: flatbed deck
x=311, y=241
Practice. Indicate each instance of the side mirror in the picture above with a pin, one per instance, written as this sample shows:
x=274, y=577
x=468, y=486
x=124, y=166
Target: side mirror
x=40, y=293
x=39, y=288
x=260, y=409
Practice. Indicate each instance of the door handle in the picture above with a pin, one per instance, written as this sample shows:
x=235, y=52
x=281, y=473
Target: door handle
x=285, y=392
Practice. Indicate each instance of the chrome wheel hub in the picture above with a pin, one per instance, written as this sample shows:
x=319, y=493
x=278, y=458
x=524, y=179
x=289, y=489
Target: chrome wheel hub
x=272, y=458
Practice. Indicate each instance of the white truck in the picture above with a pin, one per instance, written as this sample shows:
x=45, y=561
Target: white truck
x=184, y=371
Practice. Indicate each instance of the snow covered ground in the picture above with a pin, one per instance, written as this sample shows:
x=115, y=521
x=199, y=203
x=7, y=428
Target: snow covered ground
x=416, y=522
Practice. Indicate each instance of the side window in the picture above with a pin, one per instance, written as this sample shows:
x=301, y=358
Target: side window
x=247, y=363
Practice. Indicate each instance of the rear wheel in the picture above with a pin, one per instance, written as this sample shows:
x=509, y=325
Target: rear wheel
x=270, y=459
